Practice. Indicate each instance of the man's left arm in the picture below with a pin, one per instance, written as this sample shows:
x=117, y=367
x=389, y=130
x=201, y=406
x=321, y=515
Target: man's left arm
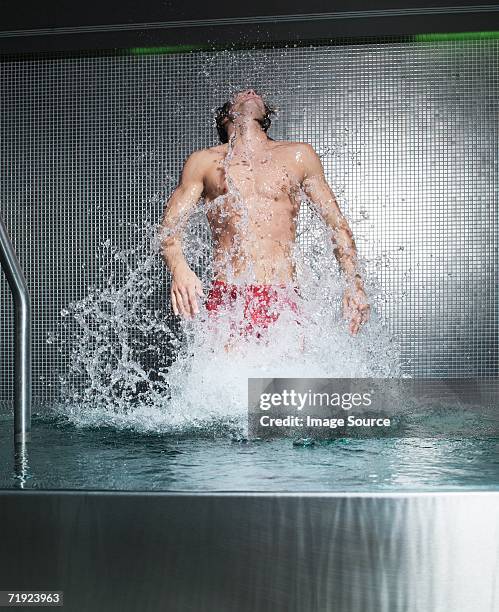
x=315, y=186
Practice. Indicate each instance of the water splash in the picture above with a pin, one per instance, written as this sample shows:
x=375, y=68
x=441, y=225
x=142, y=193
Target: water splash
x=132, y=365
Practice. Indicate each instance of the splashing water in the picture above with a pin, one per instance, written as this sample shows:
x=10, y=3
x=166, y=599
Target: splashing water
x=134, y=366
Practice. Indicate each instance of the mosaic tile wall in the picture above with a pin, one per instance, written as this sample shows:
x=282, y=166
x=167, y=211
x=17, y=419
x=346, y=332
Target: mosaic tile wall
x=92, y=145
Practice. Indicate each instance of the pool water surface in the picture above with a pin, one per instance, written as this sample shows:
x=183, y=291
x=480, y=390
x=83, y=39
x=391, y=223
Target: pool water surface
x=62, y=456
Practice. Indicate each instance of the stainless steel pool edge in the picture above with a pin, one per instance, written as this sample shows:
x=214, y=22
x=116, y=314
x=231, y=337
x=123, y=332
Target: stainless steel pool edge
x=254, y=551
x=267, y=494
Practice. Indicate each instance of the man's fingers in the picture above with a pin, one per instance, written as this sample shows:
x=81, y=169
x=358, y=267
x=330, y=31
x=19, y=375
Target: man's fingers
x=358, y=318
x=347, y=308
x=193, y=301
x=174, y=303
x=357, y=323
x=182, y=303
x=185, y=301
x=356, y=309
x=179, y=303
x=365, y=314
x=362, y=308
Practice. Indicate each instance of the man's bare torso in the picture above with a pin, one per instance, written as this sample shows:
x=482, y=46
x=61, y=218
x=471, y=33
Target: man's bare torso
x=252, y=200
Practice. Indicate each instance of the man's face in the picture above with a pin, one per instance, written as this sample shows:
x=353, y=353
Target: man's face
x=248, y=102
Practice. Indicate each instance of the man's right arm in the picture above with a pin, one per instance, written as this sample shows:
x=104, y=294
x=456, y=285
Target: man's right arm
x=185, y=283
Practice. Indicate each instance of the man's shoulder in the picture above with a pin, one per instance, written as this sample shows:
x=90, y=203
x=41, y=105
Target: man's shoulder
x=201, y=159
x=294, y=145
x=209, y=152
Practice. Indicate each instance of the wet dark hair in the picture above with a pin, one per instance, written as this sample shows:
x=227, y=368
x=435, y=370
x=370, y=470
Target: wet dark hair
x=223, y=113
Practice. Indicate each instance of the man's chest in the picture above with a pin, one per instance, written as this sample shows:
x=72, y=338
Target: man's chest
x=269, y=177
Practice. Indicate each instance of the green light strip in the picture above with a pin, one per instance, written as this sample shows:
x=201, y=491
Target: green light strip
x=455, y=36
x=165, y=50
x=430, y=37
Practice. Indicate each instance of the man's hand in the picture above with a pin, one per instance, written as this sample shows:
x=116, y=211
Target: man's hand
x=185, y=287
x=355, y=306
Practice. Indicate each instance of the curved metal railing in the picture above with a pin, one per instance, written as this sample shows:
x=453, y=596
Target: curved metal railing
x=22, y=335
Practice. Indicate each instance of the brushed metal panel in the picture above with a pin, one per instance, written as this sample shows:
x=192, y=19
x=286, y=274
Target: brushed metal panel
x=226, y=552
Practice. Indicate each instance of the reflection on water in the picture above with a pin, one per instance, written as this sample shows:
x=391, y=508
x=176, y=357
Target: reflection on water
x=63, y=456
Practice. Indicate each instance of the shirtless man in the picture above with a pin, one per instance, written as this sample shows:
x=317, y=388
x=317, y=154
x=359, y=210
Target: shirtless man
x=251, y=191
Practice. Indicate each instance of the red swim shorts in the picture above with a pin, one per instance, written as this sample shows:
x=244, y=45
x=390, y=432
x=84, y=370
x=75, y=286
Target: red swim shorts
x=260, y=304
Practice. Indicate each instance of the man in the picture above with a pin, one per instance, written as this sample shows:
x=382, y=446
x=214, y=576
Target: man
x=251, y=186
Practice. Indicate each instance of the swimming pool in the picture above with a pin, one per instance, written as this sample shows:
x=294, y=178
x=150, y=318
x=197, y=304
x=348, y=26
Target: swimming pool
x=214, y=522
x=62, y=456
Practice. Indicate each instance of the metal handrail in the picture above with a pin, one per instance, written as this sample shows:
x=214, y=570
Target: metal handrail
x=22, y=335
